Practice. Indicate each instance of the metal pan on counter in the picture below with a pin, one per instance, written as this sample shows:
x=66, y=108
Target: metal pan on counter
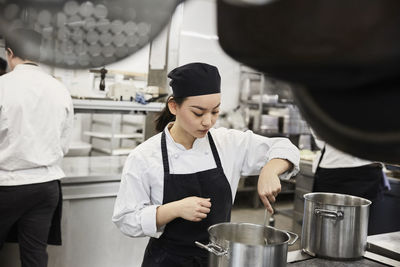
x=246, y=244
x=335, y=226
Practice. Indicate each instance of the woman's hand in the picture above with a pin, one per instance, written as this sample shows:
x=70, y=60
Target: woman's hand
x=269, y=185
x=194, y=209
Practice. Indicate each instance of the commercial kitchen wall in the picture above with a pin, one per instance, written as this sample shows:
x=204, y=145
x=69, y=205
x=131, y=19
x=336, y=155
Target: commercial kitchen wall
x=197, y=41
x=193, y=39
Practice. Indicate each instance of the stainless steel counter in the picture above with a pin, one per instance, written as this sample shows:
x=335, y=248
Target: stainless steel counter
x=91, y=177
x=299, y=259
x=388, y=255
x=390, y=241
x=92, y=169
x=316, y=262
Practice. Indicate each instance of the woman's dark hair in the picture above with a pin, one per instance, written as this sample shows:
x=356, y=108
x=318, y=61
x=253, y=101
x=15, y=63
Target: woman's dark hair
x=166, y=116
x=3, y=65
x=24, y=43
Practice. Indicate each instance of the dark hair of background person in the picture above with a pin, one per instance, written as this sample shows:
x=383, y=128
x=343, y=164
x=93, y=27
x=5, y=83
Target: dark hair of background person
x=24, y=43
x=166, y=116
x=3, y=66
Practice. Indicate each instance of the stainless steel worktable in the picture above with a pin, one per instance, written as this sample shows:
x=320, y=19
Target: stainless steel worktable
x=299, y=259
x=388, y=244
x=92, y=169
x=91, y=177
x=315, y=262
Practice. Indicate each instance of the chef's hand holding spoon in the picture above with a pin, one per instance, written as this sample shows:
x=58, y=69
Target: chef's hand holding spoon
x=269, y=185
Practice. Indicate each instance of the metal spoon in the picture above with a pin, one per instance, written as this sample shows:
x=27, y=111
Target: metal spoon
x=266, y=223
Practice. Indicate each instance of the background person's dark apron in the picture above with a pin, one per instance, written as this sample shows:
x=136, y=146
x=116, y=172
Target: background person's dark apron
x=176, y=246
x=55, y=229
x=365, y=181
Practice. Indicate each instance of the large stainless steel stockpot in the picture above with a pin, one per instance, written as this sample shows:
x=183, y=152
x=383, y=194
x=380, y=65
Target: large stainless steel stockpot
x=246, y=244
x=335, y=225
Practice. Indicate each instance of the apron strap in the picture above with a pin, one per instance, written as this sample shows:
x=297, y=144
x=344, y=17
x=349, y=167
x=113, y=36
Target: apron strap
x=320, y=158
x=164, y=153
x=214, y=151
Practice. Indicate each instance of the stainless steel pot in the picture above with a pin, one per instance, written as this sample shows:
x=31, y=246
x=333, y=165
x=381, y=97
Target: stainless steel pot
x=335, y=225
x=246, y=244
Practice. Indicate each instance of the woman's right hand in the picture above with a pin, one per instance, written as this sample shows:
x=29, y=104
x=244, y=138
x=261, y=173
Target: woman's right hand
x=194, y=209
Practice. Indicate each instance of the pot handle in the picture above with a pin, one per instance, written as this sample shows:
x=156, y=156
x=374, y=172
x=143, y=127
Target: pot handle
x=332, y=214
x=213, y=248
x=295, y=237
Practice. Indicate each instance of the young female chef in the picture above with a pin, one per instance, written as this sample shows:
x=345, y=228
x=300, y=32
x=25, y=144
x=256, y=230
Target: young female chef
x=184, y=179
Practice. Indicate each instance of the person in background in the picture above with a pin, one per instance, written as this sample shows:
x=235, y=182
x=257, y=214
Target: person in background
x=184, y=179
x=36, y=117
x=3, y=66
x=338, y=172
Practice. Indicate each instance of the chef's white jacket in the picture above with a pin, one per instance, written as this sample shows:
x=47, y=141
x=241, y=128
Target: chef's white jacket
x=36, y=117
x=141, y=189
x=334, y=158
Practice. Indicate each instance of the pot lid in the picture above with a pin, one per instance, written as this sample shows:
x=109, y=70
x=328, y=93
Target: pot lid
x=83, y=34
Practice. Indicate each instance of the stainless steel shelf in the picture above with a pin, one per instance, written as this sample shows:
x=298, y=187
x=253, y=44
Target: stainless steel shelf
x=104, y=135
x=113, y=152
x=108, y=106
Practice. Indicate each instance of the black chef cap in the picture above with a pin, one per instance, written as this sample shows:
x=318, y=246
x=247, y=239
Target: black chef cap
x=195, y=79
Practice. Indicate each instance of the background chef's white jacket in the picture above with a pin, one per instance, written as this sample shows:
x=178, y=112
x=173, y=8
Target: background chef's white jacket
x=141, y=189
x=334, y=158
x=36, y=117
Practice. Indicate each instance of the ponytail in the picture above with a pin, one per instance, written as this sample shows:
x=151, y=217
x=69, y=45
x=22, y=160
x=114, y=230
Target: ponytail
x=166, y=116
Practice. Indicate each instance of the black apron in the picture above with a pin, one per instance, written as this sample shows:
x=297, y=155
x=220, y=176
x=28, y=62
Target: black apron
x=176, y=246
x=55, y=228
x=364, y=181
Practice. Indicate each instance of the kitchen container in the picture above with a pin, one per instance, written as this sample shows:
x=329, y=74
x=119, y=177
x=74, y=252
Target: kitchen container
x=246, y=244
x=269, y=124
x=335, y=225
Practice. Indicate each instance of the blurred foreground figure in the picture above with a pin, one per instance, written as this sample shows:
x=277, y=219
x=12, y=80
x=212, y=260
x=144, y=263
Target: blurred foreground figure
x=345, y=72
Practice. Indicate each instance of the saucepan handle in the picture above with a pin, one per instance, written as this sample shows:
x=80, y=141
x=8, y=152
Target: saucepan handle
x=332, y=214
x=213, y=248
x=294, y=236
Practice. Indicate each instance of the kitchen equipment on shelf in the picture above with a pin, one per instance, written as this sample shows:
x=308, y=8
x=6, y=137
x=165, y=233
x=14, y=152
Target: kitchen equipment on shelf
x=246, y=244
x=269, y=124
x=335, y=225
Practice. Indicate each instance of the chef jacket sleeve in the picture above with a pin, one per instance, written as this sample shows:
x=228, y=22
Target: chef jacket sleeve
x=67, y=129
x=134, y=214
x=260, y=149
